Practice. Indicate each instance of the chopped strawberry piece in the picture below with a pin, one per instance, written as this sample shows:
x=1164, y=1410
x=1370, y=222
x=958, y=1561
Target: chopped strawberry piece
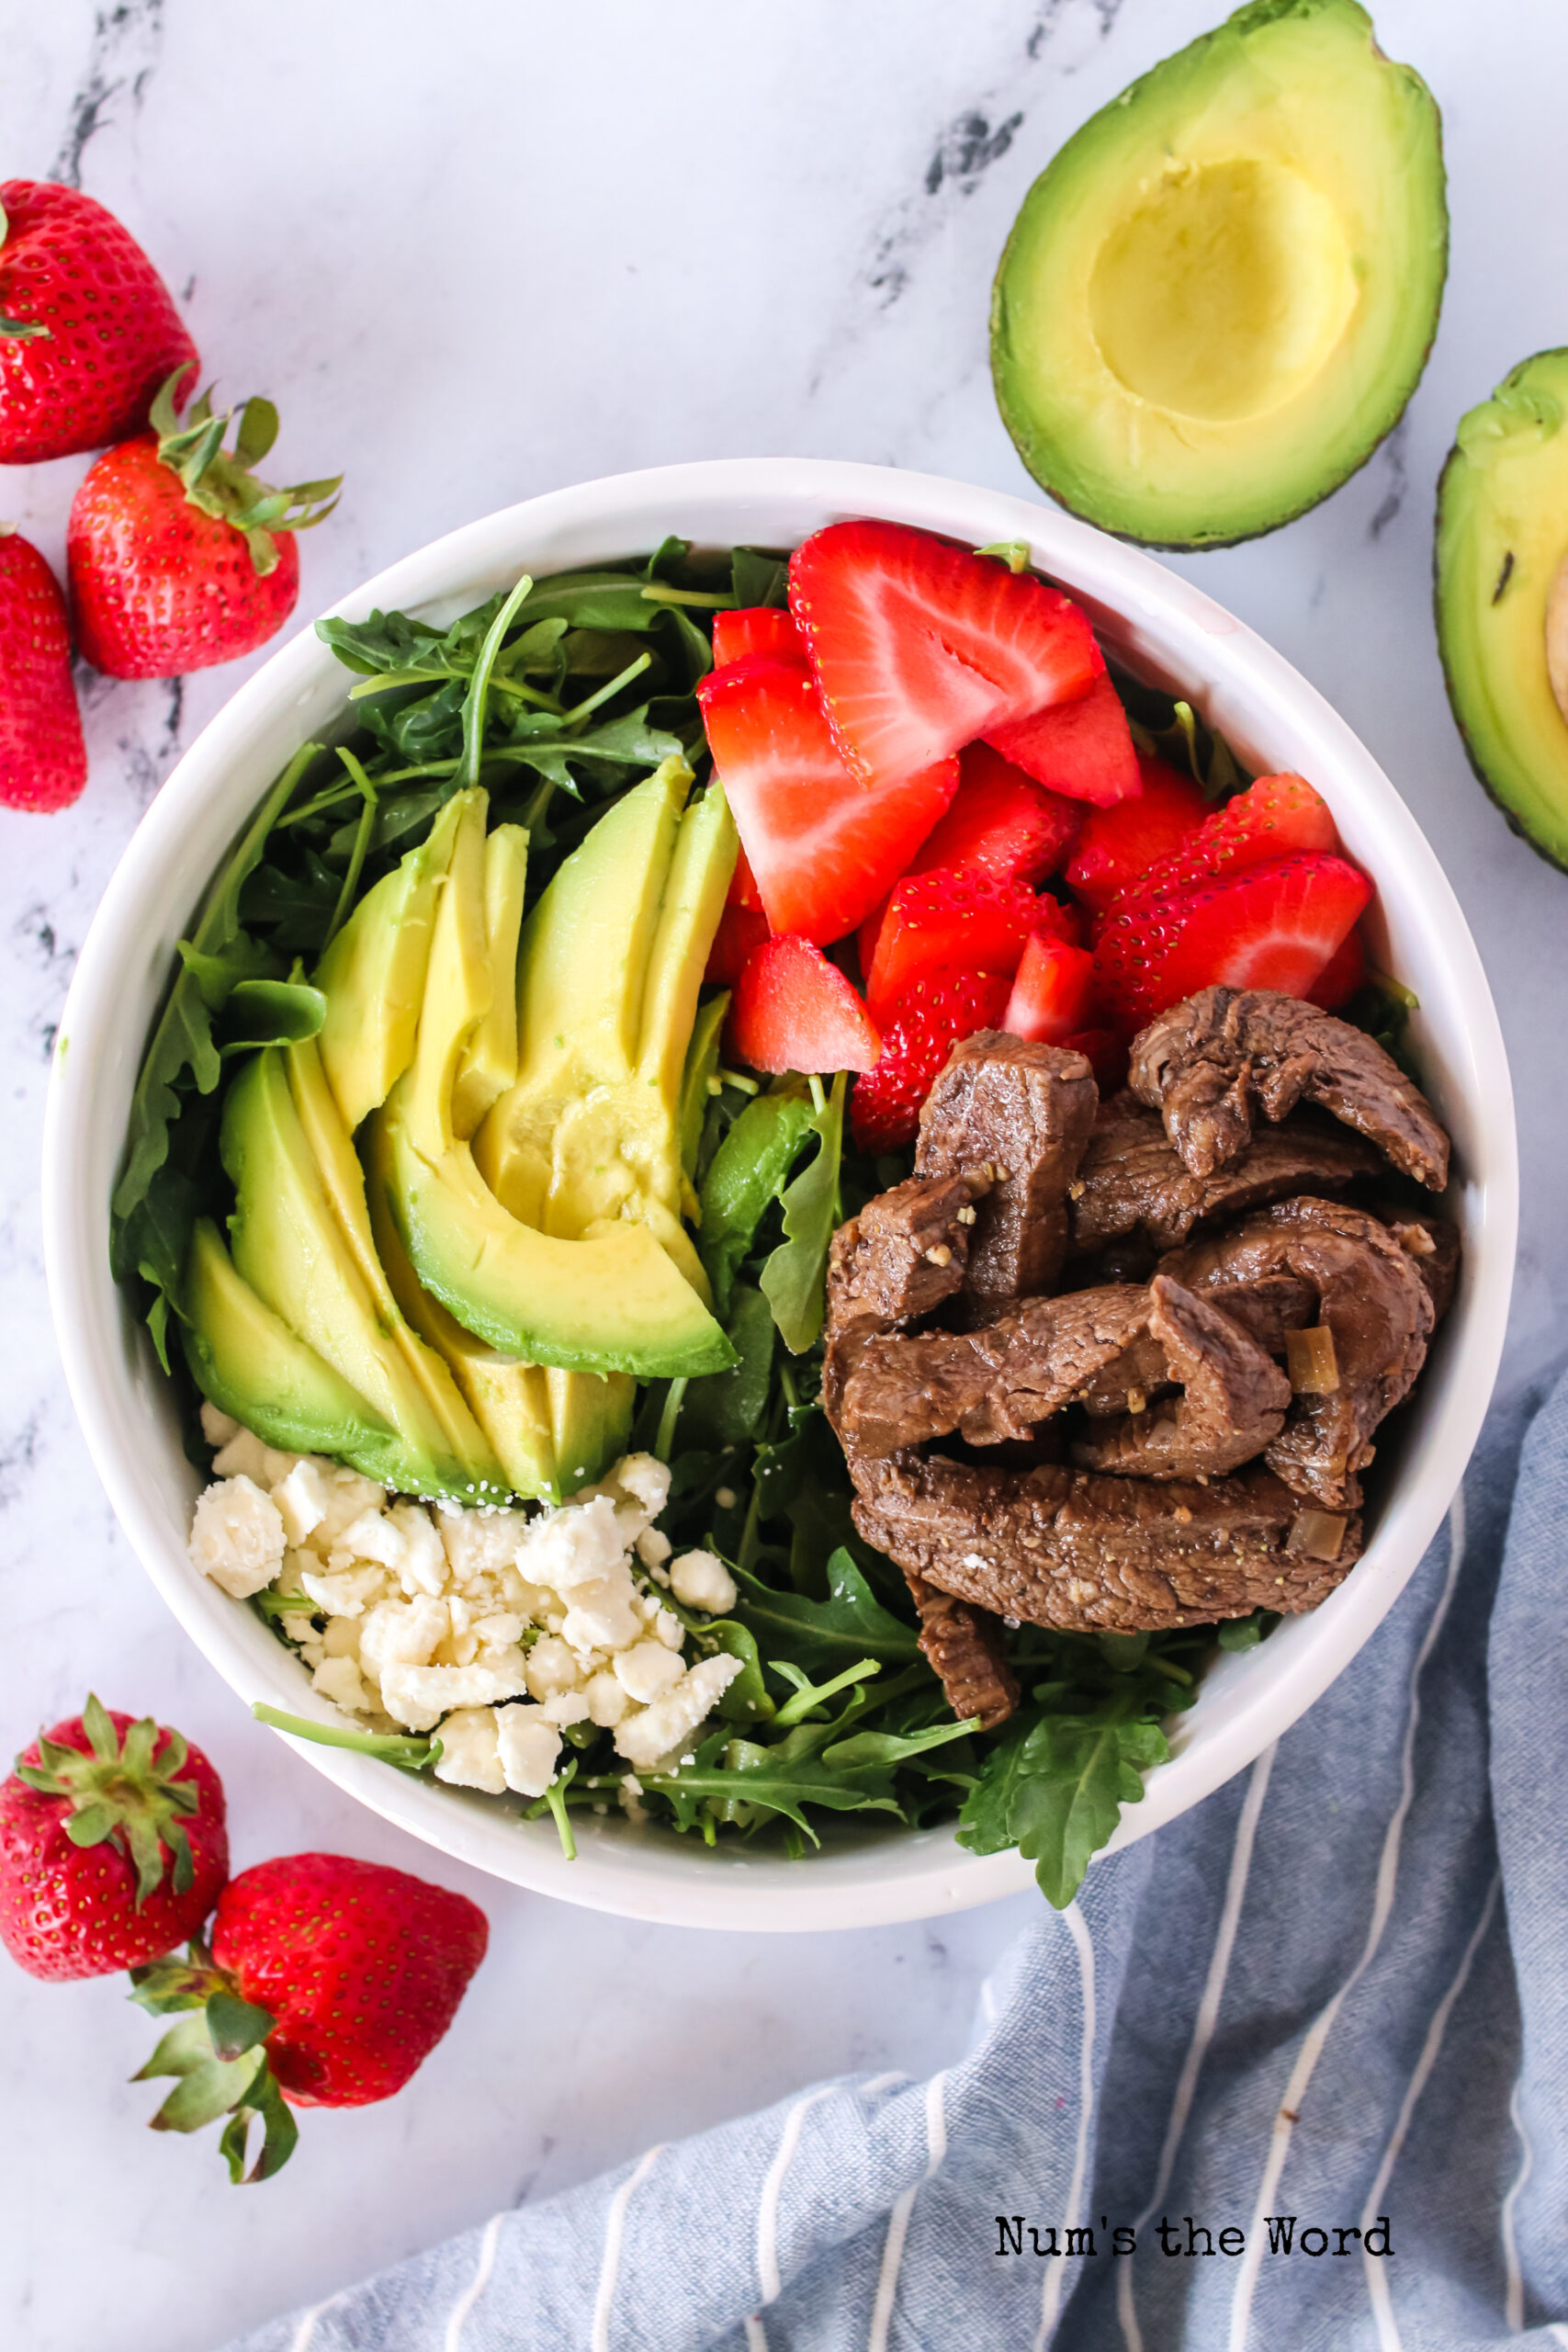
x=1053, y=993
x=793, y=1009
x=1345, y=972
x=919, y=646
x=743, y=890
x=1116, y=846
x=1106, y=1055
x=949, y=922
x=823, y=847
x=1083, y=749
x=1273, y=818
x=755, y=629
x=1055, y=920
x=741, y=931
x=919, y=1031
x=1271, y=926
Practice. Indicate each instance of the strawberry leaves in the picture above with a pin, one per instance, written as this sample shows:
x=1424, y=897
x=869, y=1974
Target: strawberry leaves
x=220, y=483
x=216, y=2054
x=126, y=1795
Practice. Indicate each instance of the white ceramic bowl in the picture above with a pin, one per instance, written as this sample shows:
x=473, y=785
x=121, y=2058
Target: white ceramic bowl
x=1161, y=627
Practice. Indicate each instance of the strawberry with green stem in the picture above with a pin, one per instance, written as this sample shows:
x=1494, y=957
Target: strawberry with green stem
x=326, y=1983
x=178, y=555
x=113, y=1845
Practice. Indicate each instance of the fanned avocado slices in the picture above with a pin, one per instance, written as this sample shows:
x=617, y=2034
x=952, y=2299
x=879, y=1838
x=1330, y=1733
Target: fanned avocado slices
x=1501, y=595
x=1219, y=296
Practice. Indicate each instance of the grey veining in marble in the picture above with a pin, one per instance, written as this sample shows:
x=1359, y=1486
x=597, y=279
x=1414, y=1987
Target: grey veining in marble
x=475, y=253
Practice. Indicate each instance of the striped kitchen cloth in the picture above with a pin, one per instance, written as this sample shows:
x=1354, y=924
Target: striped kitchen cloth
x=1290, y=2073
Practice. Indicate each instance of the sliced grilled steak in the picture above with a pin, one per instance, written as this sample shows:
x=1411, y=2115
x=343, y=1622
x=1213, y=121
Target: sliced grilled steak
x=1059, y=1547
x=1434, y=1243
x=1205, y=1063
x=901, y=1260
x=963, y=1645
x=1233, y=1401
x=1132, y=1181
x=1024, y=1111
x=1378, y=1311
x=1266, y=1311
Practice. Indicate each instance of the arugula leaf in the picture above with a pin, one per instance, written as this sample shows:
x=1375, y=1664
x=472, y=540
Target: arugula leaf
x=748, y=1172
x=762, y=1781
x=1084, y=1770
x=881, y=1750
x=724, y=1408
x=270, y=1012
x=849, y=1625
x=702, y=1061
x=794, y=1278
x=759, y=577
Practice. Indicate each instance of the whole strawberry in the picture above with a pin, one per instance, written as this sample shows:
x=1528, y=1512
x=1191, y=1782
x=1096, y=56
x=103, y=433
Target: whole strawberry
x=87, y=328
x=327, y=1982
x=178, y=556
x=43, y=760
x=113, y=1845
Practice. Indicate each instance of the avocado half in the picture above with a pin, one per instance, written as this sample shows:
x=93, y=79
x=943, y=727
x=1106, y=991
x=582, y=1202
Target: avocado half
x=1501, y=551
x=1219, y=296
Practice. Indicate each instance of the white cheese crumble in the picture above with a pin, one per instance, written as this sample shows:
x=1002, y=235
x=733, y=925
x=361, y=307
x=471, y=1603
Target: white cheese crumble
x=496, y=1630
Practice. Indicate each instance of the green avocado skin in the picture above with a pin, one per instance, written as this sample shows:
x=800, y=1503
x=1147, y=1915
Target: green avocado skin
x=1110, y=495
x=1493, y=674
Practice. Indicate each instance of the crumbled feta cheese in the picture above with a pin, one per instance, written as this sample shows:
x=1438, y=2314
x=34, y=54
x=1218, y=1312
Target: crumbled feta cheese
x=480, y=1543
x=418, y=1696
x=644, y=1475
x=470, y=1752
x=338, y=1678
x=607, y=1702
x=374, y=1535
x=646, y=1671
x=301, y=1498
x=236, y=1537
x=667, y=1628
x=349, y=1593
x=217, y=1428
x=424, y=1564
x=566, y=1707
x=551, y=1668
x=671, y=1719
x=349, y=1497
x=402, y=1633
x=247, y=1456
x=604, y=1614
x=701, y=1581
x=529, y=1745
x=653, y=1547
x=501, y=1630
x=577, y=1545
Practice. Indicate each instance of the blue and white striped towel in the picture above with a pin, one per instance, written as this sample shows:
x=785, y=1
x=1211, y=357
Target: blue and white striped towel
x=1336, y=1992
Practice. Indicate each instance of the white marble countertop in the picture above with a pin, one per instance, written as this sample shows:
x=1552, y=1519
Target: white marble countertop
x=476, y=253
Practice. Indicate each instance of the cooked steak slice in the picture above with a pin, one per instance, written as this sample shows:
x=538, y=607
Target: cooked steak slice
x=1377, y=1310
x=990, y=1384
x=1132, y=1179
x=1088, y=1554
x=1206, y=1062
x=1434, y=1243
x=1025, y=1113
x=1266, y=1311
x=1233, y=1401
x=964, y=1646
x=901, y=1260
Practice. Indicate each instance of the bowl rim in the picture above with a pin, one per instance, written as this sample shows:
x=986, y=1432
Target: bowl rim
x=1143, y=606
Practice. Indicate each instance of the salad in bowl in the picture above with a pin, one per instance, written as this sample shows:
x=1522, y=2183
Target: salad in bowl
x=771, y=1194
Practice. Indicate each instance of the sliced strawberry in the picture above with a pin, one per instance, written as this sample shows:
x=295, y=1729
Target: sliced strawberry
x=755, y=629
x=793, y=1009
x=1106, y=1055
x=1000, y=823
x=1083, y=749
x=949, y=922
x=919, y=1031
x=1053, y=992
x=743, y=890
x=1274, y=817
x=1271, y=926
x=919, y=646
x=741, y=931
x=1345, y=972
x=1116, y=846
x=823, y=847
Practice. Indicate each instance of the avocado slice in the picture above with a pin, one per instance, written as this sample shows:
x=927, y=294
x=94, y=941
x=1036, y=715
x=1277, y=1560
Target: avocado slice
x=1501, y=541
x=458, y=980
x=1220, y=294
x=489, y=1065
x=372, y=976
x=288, y=1247
x=611, y=1303
x=251, y=1365
x=612, y=962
